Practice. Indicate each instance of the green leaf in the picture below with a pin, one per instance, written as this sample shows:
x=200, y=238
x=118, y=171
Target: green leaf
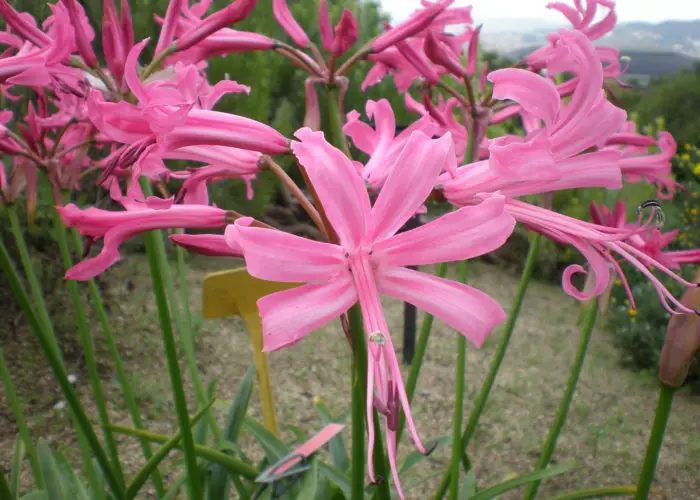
x=5, y=491
x=339, y=453
x=49, y=469
x=273, y=447
x=16, y=467
x=609, y=491
x=218, y=485
x=73, y=487
x=36, y=495
x=469, y=486
x=101, y=479
x=340, y=479
x=310, y=485
x=511, y=484
x=415, y=457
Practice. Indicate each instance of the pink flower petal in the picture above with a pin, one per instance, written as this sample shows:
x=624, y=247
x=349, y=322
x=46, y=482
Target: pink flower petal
x=410, y=182
x=340, y=188
x=467, y=310
x=463, y=234
x=289, y=315
x=534, y=93
x=278, y=256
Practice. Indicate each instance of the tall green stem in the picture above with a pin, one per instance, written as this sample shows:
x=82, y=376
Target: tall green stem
x=587, y=327
x=46, y=339
x=485, y=391
x=335, y=120
x=88, y=348
x=158, y=269
x=457, y=449
x=182, y=328
x=663, y=411
x=418, y=355
x=359, y=401
x=382, y=489
x=16, y=406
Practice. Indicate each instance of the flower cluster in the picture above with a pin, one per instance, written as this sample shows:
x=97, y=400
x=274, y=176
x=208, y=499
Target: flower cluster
x=128, y=120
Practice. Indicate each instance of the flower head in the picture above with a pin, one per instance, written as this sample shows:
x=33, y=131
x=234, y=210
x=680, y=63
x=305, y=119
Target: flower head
x=370, y=259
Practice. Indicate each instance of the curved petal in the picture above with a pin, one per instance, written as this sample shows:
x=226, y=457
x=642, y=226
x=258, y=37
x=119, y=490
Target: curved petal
x=463, y=234
x=410, y=182
x=466, y=309
x=278, y=256
x=337, y=183
x=131, y=76
x=534, y=93
x=363, y=136
x=289, y=315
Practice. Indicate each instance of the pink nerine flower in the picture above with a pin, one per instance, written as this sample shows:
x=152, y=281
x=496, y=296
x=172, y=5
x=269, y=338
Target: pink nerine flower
x=380, y=142
x=117, y=227
x=370, y=259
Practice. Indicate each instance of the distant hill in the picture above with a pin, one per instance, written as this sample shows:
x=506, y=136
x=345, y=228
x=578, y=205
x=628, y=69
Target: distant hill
x=511, y=38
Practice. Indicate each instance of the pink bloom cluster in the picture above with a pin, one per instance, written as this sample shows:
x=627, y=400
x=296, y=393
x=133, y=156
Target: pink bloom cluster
x=128, y=120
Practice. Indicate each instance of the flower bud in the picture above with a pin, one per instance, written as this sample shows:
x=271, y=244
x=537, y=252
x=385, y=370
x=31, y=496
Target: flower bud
x=345, y=33
x=441, y=54
x=21, y=25
x=682, y=341
x=228, y=15
x=411, y=26
x=82, y=37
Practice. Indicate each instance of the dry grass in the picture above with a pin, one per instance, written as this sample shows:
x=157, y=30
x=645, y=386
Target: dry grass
x=606, y=433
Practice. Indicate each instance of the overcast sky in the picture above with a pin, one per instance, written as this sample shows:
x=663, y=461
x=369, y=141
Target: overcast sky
x=627, y=10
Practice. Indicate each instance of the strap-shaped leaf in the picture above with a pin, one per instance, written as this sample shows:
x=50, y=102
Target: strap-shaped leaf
x=218, y=483
x=511, y=484
x=339, y=452
x=310, y=485
x=16, y=467
x=49, y=469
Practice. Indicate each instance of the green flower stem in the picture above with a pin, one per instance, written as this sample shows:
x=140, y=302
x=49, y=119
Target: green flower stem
x=382, y=490
x=587, y=327
x=485, y=391
x=183, y=329
x=457, y=449
x=158, y=265
x=184, y=287
x=88, y=348
x=335, y=120
x=663, y=411
x=46, y=339
x=359, y=402
x=234, y=465
x=16, y=406
x=418, y=356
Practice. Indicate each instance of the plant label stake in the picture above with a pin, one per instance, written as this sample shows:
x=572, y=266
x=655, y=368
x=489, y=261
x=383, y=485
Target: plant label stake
x=235, y=293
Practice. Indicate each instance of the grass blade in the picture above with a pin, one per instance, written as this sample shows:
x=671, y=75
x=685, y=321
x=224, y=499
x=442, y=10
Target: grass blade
x=511, y=484
x=52, y=477
x=339, y=454
x=218, y=484
x=16, y=467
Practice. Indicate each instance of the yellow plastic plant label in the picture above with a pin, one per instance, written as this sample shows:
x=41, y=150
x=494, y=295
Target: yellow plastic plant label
x=235, y=293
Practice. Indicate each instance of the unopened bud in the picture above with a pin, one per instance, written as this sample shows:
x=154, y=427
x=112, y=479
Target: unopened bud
x=682, y=341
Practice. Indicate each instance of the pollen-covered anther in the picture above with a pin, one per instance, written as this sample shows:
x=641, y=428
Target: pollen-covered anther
x=378, y=338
